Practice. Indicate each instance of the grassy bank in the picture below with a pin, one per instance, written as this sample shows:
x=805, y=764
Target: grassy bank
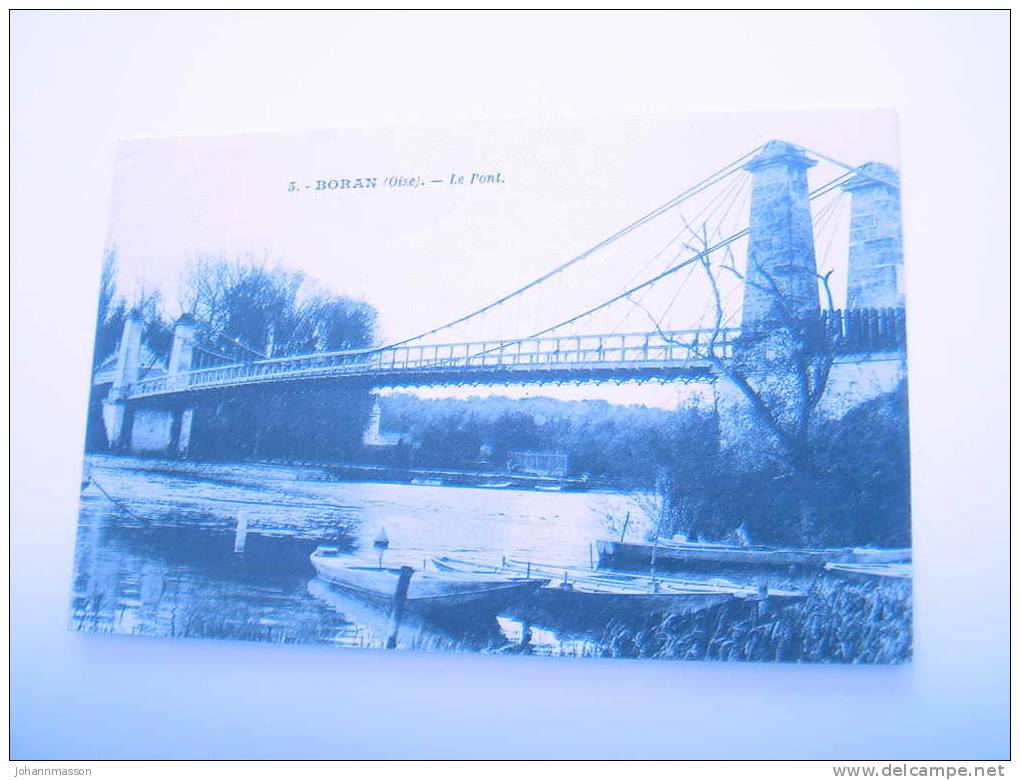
x=838, y=622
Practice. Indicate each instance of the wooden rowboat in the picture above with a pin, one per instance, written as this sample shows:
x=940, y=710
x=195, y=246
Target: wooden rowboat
x=896, y=571
x=430, y=594
x=601, y=580
x=577, y=599
x=685, y=555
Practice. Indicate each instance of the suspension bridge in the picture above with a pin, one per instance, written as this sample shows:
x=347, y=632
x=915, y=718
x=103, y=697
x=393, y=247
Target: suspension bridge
x=747, y=247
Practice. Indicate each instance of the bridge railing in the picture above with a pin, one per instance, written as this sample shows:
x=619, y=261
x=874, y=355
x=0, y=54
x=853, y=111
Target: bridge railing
x=866, y=330
x=849, y=331
x=557, y=351
x=551, y=352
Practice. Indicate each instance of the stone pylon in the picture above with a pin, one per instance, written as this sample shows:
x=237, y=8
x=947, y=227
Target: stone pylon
x=129, y=353
x=780, y=304
x=781, y=279
x=129, y=357
x=182, y=353
x=875, y=271
x=183, y=347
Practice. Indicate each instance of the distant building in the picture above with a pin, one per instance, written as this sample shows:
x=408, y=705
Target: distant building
x=545, y=464
x=375, y=436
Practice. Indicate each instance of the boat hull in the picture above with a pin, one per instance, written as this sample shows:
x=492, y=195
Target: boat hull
x=675, y=557
x=871, y=571
x=429, y=595
x=586, y=601
x=584, y=611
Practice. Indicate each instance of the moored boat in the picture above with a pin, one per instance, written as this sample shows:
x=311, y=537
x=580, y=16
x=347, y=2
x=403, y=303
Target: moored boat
x=602, y=581
x=898, y=571
x=432, y=594
x=579, y=599
x=876, y=555
x=686, y=555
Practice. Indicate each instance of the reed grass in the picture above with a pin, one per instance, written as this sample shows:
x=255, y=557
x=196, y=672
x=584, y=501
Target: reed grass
x=838, y=622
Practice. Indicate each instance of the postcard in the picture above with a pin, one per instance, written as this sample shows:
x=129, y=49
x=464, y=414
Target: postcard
x=627, y=387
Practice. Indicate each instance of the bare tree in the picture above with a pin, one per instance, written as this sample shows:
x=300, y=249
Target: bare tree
x=780, y=368
x=111, y=311
x=264, y=309
x=655, y=507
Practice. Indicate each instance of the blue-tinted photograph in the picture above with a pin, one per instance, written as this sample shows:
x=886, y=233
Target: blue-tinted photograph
x=629, y=387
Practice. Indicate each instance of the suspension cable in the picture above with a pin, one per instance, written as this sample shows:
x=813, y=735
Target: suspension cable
x=858, y=169
x=659, y=277
x=716, y=177
x=715, y=204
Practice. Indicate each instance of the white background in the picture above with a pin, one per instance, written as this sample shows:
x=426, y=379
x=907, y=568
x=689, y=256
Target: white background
x=80, y=81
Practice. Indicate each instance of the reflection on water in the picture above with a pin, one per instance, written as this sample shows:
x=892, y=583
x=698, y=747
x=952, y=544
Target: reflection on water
x=155, y=550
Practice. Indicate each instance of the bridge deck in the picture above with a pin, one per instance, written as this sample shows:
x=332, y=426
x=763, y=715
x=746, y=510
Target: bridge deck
x=676, y=355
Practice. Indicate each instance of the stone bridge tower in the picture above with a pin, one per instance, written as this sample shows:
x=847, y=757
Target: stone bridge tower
x=875, y=273
x=116, y=417
x=781, y=278
x=158, y=427
x=795, y=363
x=781, y=304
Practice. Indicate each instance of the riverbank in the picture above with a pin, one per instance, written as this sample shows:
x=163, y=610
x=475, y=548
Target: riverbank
x=358, y=472
x=156, y=556
x=838, y=622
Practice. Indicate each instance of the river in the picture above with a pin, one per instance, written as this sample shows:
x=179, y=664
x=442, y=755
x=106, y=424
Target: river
x=155, y=548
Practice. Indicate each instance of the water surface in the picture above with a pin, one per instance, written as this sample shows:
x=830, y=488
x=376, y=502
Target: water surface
x=155, y=551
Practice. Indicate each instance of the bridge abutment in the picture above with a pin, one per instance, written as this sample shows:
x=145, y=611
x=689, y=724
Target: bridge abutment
x=114, y=422
x=372, y=436
x=138, y=428
x=164, y=431
x=184, y=432
x=856, y=379
x=151, y=431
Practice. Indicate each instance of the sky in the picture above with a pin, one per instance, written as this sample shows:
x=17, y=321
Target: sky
x=545, y=191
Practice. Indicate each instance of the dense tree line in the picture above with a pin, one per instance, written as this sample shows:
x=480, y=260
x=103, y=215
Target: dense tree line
x=272, y=312
x=861, y=483
x=113, y=309
x=861, y=463
x=248, y=310
x=621, y=445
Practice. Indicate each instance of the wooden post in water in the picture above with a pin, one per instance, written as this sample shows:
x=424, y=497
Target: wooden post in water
x=381, y=543
x=241, y=532
x=525, y=633
x=763, y=599
x=399, y=598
